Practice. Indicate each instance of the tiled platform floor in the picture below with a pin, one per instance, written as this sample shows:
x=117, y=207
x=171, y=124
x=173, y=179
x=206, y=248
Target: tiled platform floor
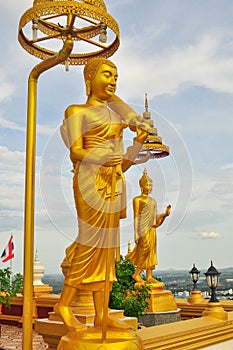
x=11, y=339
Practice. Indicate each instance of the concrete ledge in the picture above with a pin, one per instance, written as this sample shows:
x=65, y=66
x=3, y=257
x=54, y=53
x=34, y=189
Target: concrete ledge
x=150, y=319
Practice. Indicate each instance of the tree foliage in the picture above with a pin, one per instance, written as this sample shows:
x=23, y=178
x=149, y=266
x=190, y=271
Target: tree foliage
x=126, y=294
x=9, y=287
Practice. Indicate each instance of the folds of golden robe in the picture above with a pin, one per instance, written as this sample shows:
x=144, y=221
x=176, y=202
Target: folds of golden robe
x=98, y=211
x=144, y=253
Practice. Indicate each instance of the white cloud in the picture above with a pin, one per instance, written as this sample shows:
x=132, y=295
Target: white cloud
x=6, y=87
x=118, y=4
x=223, y=188
x=210, y=235
x=227, y=166
x=11, y=184
x=198, y=64
x=41, y=129
x=45, y=129
x=18, y=8
x=8, y=124
x=11, y=161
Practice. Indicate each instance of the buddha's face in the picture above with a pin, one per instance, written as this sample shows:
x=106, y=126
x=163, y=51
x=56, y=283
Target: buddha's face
x=103, y=86
x=147, y=188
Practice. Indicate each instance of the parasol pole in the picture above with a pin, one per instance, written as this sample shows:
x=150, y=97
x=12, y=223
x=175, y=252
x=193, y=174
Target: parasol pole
x=30, y=188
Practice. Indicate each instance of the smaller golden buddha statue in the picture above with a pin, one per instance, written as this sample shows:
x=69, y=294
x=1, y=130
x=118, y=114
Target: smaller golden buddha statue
x=146, y=220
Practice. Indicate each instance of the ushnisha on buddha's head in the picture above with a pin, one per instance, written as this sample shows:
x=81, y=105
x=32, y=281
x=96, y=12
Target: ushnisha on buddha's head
x=145, y=183
x=96, y=70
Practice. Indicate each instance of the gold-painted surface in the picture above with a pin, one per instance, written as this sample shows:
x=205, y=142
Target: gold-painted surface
x=161, y=300
x=91, y=340
x=153, y=138
x=156, y=147
x=195, y=297
x=146, y=220
x=42, y=289
x=93, y=132
x=199, y=333
x=30, y=189
x=83, y=301
x=215, y=310
x=144, y=255
x=93, y=12
x=52, y=329
x=87, y=318
x=97, y=3
x=153, y=144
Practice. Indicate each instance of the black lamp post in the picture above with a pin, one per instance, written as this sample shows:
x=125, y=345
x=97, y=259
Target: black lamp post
x=194, y=276
x=212, y=278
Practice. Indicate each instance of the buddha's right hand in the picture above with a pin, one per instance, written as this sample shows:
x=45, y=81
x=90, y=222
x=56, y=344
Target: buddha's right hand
x=112, y=159
x=136, y=121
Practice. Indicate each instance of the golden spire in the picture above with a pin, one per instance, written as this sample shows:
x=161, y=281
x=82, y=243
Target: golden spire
x=153, y=143
x=146, y=103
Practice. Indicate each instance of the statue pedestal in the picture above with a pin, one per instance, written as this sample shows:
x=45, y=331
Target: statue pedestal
x=162, y=307
x=161, y=300
x=215, y=310
x=52, y=328
x=91, y=339
x=195, y=297
x=150, y=319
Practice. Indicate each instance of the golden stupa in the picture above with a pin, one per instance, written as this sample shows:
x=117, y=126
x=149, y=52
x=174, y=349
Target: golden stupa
x=153, y=143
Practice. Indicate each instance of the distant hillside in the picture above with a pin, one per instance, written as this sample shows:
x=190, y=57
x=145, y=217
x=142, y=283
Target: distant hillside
x=171, y=270
x=226, y=269
x=55, y=281
x=174, y=280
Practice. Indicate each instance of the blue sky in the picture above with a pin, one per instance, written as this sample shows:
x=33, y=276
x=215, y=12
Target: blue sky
x=181, y=53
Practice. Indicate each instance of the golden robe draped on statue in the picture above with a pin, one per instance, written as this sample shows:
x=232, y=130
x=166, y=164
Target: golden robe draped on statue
x=144, y=253
x=98, y=215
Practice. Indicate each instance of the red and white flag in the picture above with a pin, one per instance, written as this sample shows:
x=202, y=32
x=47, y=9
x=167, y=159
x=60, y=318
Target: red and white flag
x=8, y=253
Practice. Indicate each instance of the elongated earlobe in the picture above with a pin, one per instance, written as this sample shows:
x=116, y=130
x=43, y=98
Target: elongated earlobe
x=88, y=87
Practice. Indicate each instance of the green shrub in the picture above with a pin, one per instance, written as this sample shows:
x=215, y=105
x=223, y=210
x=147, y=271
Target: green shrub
x=9, y=288
x=126, y=294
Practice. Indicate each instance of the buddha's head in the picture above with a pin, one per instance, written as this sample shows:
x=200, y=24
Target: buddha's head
x=100, y=74
x=145, y=183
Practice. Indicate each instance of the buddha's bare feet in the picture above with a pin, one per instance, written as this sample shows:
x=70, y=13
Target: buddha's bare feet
x=112, y=323
x=138, y=278
x=68, y=318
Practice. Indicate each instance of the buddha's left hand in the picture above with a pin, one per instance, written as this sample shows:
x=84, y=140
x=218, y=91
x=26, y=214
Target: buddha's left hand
x=168, y=210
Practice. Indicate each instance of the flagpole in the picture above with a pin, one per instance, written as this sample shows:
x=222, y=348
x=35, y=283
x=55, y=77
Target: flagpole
x=11, y=263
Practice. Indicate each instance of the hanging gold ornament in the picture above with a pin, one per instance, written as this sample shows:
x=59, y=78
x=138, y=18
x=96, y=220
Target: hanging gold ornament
x=85, y=21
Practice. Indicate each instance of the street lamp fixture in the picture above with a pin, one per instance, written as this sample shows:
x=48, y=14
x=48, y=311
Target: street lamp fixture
x=212, y=279
x=195, y=273
x=195, y=296
x=214, y=308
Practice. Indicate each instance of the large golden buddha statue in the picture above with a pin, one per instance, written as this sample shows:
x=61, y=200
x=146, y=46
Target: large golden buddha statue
x=93, y=133
x=146, y=220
